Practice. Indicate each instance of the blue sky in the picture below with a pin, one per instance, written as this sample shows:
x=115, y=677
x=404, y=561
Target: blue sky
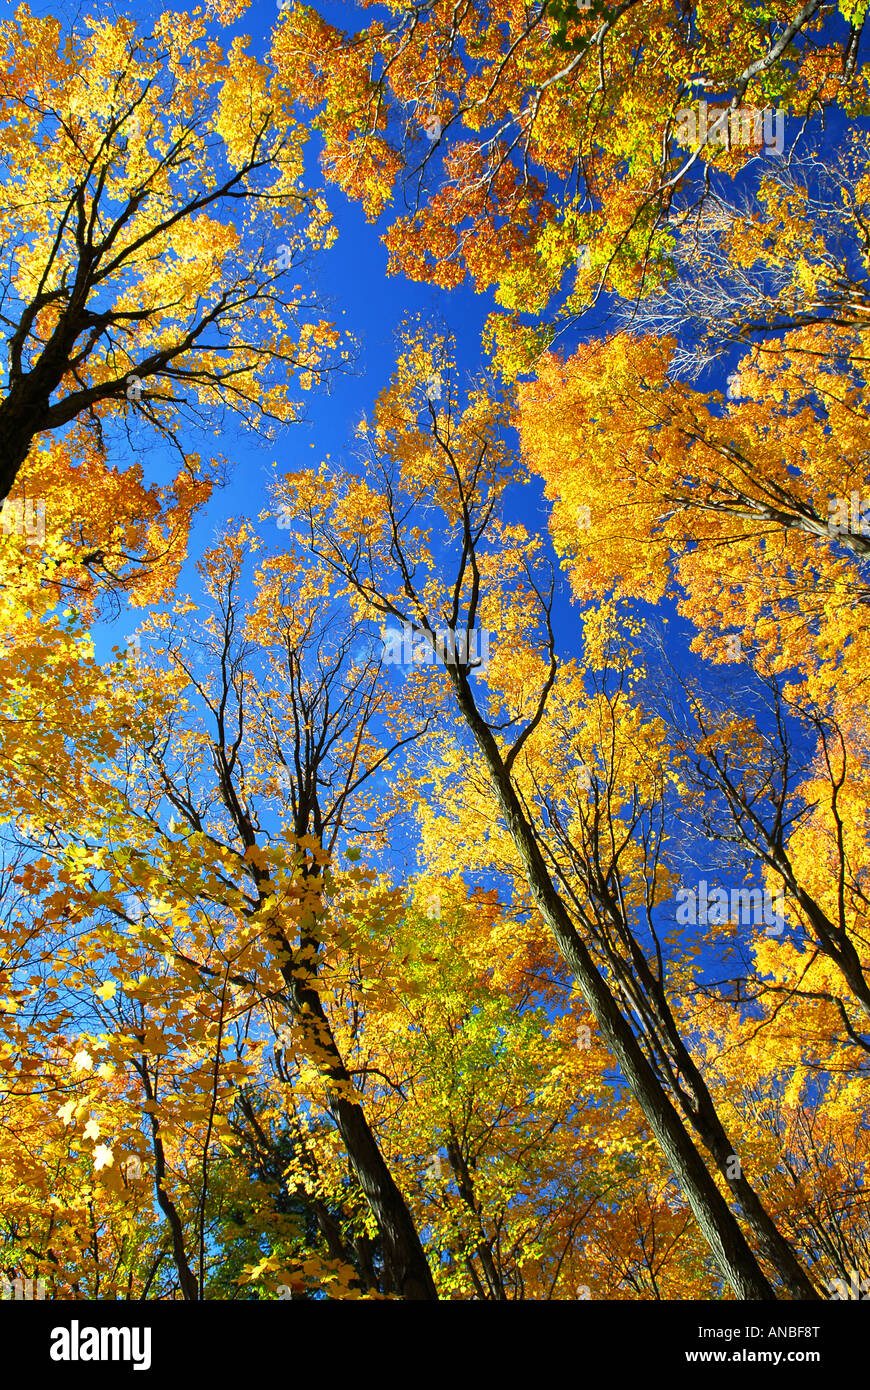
x=350, y=280
x=351, y=284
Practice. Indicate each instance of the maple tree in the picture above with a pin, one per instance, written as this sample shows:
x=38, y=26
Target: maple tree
x=516, y=149
x=747, y=265
x=146, y=183
x=365, y=530
x=679, y=480
x=356, y=937
x=280, y=875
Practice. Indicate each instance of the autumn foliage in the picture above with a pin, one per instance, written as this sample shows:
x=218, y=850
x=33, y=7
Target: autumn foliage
x=355, y=926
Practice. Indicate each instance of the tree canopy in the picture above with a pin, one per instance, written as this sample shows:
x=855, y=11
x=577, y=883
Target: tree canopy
x=457, y=887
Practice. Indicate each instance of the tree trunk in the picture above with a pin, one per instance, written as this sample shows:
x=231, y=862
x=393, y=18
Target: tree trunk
x=704, y=1119
x=189, y=1287
x=718, y=1224
x=407, y=1265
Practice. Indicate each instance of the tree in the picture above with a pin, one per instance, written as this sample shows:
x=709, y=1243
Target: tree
x=356, y=937
x=238, y=904
x=367, y=533
x=731, y=508
x=744, y=268
x=520, y=160
x=147, y=180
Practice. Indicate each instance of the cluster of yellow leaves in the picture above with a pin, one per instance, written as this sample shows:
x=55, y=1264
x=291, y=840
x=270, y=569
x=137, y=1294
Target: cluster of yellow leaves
x=521, y=153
